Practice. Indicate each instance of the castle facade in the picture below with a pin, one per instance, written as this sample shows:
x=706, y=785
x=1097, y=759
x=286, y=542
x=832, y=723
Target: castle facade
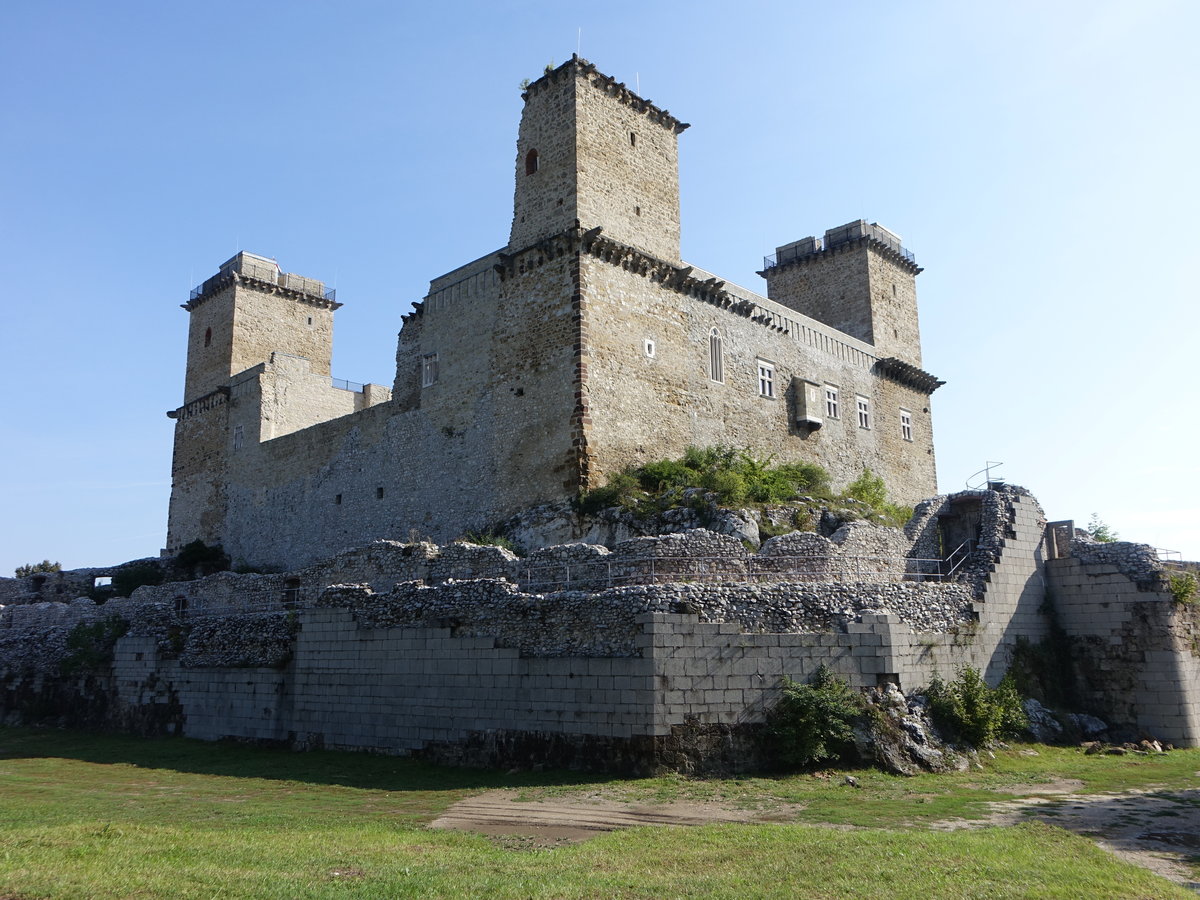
x=583, y=346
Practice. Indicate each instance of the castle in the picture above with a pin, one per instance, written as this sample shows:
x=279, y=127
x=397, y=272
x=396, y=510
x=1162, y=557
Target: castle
x=583, y=346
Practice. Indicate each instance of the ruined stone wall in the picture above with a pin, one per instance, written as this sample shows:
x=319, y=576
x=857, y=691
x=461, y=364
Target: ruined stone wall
x=649, y=407
x=1137, y=651
x=1004, y=567
x=449, y=672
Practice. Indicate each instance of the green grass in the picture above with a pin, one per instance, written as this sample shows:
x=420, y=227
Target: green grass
x=84, y=816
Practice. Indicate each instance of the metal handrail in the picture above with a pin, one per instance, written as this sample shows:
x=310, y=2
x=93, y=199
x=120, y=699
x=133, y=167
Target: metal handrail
x=967, y=549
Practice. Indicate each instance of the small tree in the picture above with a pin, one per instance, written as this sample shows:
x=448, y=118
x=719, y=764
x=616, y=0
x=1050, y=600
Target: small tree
x=45, y=566
x=1100, y=531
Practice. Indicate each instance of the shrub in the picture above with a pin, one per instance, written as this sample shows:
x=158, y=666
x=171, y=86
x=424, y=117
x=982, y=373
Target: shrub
x=814, y=722
x=729, y=486
x=90, y=645
x=868, y=488
x=45, y=566
x=968, y=710
x=1183, y=587
x=734, y=476
x=127, y=580
x=619, y=491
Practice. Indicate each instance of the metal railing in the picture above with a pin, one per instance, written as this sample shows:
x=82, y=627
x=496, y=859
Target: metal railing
x=959, y=555
x=770, y=262
x=342, y=385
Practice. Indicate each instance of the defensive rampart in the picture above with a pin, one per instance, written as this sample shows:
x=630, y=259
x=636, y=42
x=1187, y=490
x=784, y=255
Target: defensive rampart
x=665, y=651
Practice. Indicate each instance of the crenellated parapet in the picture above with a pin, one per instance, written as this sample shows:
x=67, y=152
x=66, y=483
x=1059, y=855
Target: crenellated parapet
x=578, y=67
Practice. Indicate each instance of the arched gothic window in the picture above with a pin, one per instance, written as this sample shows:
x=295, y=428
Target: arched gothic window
x=531, y=162
x=716, y=364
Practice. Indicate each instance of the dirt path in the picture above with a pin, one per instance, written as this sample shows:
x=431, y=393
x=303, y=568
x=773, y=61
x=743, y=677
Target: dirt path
x=1157, y=830
x=579, y=818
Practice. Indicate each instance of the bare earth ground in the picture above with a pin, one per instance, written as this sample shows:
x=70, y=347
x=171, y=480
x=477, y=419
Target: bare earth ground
x=1158, y=830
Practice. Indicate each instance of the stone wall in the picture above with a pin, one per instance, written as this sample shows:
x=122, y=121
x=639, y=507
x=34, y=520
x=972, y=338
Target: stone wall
x=525, y=375
x=647, y=407
x=1136, y=651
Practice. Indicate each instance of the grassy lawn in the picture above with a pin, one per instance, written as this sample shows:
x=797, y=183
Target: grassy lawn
x=97, y=817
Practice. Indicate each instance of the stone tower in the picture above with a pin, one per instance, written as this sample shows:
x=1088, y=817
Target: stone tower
x=591, y=152
x=238, y=319
x=859, y=280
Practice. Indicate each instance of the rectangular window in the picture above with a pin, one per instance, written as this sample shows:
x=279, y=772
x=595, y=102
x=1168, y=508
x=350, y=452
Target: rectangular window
x=906, y=424
x=429, y=369
x=831, y=402
x=864, y=412
x=239, y=436
x=766, y=379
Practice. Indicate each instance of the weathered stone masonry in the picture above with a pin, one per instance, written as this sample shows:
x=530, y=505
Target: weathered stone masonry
x=450, y=652
x=543, y=368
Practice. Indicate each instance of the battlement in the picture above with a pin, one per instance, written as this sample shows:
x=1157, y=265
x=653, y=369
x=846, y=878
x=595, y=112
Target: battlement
x=581, y=68
x=264, y=270
x=850, y=234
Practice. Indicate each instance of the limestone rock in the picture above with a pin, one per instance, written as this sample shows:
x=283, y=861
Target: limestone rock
x=1043, y=726
x=898, y=735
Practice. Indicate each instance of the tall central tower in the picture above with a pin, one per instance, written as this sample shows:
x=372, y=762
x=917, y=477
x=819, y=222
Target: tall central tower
x=592, y=152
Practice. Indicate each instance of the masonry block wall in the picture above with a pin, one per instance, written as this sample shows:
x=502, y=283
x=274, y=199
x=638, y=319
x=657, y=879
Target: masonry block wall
x=1137, y=651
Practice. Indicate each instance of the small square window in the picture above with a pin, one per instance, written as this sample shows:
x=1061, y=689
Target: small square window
x=649, y=348
x=766, y=379
x=429, y=369
x=864, y=411
x=906, y=424
x=338, y=499
x=832, y=402
x=378, y=493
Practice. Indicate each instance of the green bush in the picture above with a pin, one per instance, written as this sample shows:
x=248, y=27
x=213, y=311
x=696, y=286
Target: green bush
x=44, y=567
x=967, y=710
x=620, y=491
x=1183, y=587
x=735, y=476
x=870, y=489
x=814, y=722
x=127, y=580
x=90, y=646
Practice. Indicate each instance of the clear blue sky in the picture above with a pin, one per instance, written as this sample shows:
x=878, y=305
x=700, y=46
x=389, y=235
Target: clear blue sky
x=1039, y=159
